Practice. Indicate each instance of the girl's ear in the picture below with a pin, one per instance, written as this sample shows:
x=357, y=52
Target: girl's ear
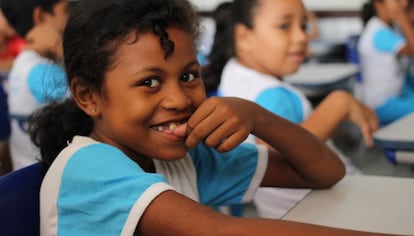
x=38, y=15
x=87, y=98
x=242, y=38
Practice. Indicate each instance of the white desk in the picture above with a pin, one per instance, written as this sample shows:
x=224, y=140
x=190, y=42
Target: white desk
x=397, y=139
x=315, y=79
x=365, y=203
x=397, y=135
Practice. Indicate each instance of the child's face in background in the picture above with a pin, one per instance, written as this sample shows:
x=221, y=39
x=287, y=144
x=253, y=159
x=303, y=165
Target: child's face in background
x=145, y=96
x=277, y=44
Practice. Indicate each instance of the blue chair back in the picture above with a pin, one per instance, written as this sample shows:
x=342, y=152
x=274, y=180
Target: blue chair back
x=352, y=53
x=19, y=201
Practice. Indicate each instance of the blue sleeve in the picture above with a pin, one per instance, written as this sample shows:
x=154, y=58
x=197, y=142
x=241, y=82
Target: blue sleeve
x=47, y=82
x=386, y=40
x=224, y=178
x=104, y=184
x=282, y=102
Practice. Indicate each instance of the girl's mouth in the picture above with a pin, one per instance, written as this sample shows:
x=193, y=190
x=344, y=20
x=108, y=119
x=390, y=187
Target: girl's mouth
x=168, y=127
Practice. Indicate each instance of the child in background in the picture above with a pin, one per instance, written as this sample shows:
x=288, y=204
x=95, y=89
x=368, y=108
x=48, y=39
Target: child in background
x=36, y=76
x=380, y=48
x=270, y=41
x=137, y=145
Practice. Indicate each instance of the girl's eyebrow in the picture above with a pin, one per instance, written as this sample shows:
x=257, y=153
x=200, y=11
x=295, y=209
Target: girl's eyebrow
x=159, y=69
x=189, y=65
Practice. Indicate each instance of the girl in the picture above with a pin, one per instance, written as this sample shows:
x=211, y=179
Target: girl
x=137, y=145
x=380, y=47
x=270, y=41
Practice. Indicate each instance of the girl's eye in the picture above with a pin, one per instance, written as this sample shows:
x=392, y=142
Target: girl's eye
x=284, y=26
x=188, y=77
x=305, y=27
x=152, y=82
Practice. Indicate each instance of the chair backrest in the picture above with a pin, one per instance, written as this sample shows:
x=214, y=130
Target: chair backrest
x=19, y=201
x=352, y=53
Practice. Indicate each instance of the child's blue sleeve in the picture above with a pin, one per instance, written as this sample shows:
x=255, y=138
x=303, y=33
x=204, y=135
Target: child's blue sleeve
x=386, y=40
x=47, y=82
x=108, y=192
x=283, y=103
x=231, y=177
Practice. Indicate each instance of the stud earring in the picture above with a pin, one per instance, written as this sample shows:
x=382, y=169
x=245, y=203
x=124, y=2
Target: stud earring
x=94, y=110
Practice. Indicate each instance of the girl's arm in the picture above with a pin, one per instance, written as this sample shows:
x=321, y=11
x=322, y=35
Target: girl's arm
x=302, y=160
x=173, y=214
x=337, y=107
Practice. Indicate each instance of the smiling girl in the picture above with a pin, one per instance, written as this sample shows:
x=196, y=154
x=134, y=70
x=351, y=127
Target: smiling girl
x=138, y=150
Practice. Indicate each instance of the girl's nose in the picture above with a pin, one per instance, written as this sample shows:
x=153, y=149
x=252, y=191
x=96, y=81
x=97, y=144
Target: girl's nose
x=176, y=98
x=300, y=35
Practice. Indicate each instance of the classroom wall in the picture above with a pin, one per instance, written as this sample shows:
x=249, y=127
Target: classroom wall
x=334, y=5
x=341, y=5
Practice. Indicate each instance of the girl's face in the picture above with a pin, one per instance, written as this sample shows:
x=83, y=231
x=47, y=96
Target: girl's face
x=277, y=44
x=146, y=95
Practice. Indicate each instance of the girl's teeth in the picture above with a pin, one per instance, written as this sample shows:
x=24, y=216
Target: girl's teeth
x=173, y=126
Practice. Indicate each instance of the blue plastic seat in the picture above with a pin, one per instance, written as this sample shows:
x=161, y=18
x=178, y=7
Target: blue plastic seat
x=19, y=201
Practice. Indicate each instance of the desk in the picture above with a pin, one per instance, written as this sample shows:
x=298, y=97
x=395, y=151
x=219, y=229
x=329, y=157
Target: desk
x=397, y=140
x=365, y=203
x=397, y=135
x=315, y=79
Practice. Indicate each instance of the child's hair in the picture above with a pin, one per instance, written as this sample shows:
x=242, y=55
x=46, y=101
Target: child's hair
x=94, y=32
x=368, y=11
x=19, y=13
x=226, y=16
x=410, y=5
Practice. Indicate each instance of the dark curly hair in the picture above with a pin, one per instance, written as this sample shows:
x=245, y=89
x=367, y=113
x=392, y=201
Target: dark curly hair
x=94, y=32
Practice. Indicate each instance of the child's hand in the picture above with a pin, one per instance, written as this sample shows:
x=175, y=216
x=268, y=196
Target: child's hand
x=222, y=123
x=364, y=117
x=46, y=40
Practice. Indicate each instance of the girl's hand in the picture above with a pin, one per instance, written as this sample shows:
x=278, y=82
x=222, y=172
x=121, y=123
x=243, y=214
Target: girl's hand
x=222, y=123
x=45, y=40
x=364, y=117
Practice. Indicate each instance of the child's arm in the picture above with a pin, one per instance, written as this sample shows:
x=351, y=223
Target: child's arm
x=173, y=214
x=302, y=159
x=339, y=106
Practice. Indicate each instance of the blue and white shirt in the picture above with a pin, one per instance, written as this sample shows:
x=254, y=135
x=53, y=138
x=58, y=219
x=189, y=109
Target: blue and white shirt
x=382, y=74
x=93, y=188
x=33, y=81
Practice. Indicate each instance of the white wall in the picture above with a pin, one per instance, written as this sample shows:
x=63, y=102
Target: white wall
x=339, y=5
x=352, y=5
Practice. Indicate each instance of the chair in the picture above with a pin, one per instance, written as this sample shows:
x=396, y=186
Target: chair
x=19, y=201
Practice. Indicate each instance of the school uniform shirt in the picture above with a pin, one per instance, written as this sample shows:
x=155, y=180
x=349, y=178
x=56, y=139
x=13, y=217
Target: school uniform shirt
x=33, y=81
x=279, y=98
x=93, y=188
x=382, y=73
